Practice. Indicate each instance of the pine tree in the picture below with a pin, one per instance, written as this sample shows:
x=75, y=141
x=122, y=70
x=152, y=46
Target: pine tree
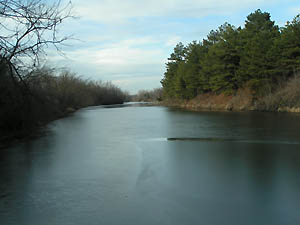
x=170, y=75
x=256, y=64
x=289, y=48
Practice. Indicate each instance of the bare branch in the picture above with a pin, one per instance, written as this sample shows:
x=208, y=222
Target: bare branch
x=28, y=27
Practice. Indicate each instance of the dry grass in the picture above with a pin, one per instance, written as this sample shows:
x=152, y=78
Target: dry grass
x=285, y=99
x=287, y=96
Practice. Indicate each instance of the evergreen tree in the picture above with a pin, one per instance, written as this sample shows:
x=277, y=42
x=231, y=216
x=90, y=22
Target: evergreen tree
x=256, y=64
x=170, y=75
x=222, y=60
x=288, y=48
x=192, y=70
x=259, y=56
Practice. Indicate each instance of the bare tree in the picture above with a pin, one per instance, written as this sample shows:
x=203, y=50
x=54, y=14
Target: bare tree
x=26, y=28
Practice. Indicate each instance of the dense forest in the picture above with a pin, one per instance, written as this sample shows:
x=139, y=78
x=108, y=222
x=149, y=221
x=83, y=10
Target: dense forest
x=260, y=56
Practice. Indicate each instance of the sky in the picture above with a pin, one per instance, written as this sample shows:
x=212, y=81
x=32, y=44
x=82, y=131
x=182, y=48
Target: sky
x=128, y=42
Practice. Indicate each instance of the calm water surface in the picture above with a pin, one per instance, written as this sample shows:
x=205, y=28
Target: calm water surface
x=141, y=165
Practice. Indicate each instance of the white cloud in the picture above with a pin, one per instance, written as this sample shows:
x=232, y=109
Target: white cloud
x=118, y=11
x=126, y=63
x=171, y=42
x=138, y=83
x=138, y=41
x=123, y=53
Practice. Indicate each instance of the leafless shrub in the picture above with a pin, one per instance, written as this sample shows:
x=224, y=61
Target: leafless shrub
x=148, y=96
x=26, y=28
x=53, y=94
x=287, y=95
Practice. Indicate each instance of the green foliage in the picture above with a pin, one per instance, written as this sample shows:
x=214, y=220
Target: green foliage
x=288, y=48
x=257, y=61
x=172, y=66
x=222, y=60
x=258, y=56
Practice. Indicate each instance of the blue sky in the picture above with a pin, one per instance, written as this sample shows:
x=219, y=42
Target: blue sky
x=128, y=42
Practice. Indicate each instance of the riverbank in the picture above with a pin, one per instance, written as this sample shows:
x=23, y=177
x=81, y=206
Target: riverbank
x=13, y=137
x=211, y=104
x=46, y=95
x=8, y=138
x=284, y=99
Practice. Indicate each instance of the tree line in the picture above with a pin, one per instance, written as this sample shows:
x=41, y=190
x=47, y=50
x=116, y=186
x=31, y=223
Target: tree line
x=49, y=94
x=259, y=56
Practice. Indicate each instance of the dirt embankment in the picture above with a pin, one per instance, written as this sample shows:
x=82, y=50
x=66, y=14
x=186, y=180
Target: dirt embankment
x=212, y=102
x=286, y=99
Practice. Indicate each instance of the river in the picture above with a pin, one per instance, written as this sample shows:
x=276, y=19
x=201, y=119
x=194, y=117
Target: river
x=148, y=165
